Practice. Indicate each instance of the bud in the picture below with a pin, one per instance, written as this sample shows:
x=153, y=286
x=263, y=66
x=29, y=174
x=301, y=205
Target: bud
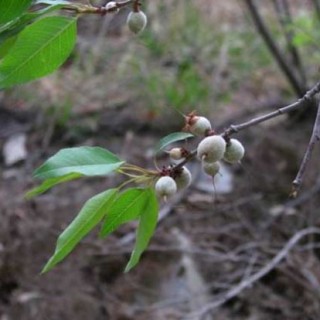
x=112, y=6
x=165, y=187
x=183, y=180
x=176, y=153
x=137, y=21
x=211, y=149
x=199, y=125
x=211, y=168
x=234, y=151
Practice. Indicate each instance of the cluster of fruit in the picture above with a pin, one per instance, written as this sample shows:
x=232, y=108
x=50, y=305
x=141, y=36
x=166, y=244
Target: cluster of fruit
x=136, y=21
x=210, y=151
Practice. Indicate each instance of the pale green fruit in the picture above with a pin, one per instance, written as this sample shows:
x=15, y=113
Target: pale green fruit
x=137, y=21
x=165, y=187
x=211, y=168
x=211, y=149
x=200, y=126
x=183, y=180
x=234, y=151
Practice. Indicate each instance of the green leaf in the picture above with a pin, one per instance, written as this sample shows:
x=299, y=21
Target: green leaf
x=6, y=45
x=16, y=26
x=147, y=225
x=90, y=215
x=49, y=183
x=40, y=49
x=88, y=161
x=129, y=206
x=12, y=9
x=173, y=137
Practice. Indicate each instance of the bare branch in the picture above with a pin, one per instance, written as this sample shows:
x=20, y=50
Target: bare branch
x=296, y=105
x=315, y=137
x=248, y=282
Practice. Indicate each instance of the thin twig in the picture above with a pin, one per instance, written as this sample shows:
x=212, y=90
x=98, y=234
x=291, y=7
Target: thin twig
x=246, y=283
x=304, y=197
x=291, y=107
x=315, y=137
x=89, y=9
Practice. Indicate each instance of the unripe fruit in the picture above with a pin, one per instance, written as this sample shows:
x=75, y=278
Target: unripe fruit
x=199, y=126
x=211, y=149
x=165, y=187
x=211, y=168
x=137, y=21
x=183, y=180
x=234, y=151
x=112, y=6
x=176, y=154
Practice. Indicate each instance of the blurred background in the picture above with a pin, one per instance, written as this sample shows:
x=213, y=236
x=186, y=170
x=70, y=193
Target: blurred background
x=124, y=93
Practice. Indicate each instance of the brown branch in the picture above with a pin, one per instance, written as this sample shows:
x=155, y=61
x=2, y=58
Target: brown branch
x=248, y=282
x=136, y=6
x=291, y=107
x=315, y=137
x=275, y=51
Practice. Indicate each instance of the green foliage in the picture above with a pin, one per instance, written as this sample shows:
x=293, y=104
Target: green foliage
x=6, y=45
x=116, y=209
x=88, y=161
x=171, y=138
x=147, y=225
x=32, y=46
x=12, y=9
x=128, y=207
x=51, y=182
x=39, y=50
x=90, y=215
